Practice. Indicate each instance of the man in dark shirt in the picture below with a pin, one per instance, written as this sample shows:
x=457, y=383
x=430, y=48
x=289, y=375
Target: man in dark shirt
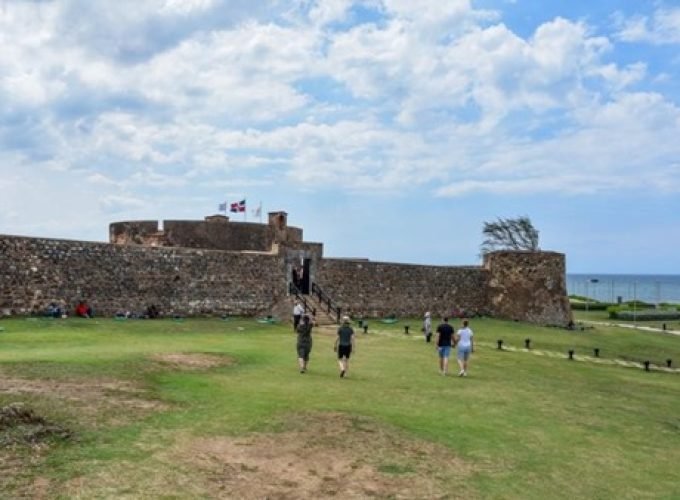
x=344, y=345
x=444, y=343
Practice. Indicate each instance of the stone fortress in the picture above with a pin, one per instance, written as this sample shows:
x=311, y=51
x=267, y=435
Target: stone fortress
x=221, y=267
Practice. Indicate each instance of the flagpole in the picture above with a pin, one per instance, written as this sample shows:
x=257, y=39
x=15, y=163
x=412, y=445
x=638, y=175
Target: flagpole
x=245, y=211
x=259, y=210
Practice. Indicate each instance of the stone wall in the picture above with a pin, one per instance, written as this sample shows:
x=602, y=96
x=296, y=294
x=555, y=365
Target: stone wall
x=525, y=286
x=379, y=289
x=528, y=286
x=36, y=271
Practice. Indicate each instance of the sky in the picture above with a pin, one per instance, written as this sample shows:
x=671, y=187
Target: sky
x=386, y=129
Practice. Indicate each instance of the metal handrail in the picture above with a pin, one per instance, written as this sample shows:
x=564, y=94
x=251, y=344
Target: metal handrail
x=294, y=290
x=325, y=298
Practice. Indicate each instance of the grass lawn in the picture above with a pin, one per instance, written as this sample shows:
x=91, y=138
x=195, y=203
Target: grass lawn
x=205, y=408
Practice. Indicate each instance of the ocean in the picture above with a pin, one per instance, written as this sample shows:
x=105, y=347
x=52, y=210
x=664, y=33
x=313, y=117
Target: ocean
x=650, y=288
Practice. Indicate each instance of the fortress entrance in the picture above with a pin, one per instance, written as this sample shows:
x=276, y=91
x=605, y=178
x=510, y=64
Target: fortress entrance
x=305, y=283
x=301, y=276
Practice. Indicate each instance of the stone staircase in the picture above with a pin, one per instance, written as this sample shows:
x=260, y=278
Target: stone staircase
x=322, y=317
x=317, y=304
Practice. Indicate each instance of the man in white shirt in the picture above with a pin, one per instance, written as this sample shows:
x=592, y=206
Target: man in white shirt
x=298, y=311
x=466, y=346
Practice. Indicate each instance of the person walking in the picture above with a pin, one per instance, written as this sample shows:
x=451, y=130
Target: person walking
x=304, y=342
x=427, y=327
x=298, y=311
x=466, y=346
x=344, y=345
x=444, y=343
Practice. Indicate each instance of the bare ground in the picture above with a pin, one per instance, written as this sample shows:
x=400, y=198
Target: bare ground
x=120, y=400
x=192, y=361
x=322, y=456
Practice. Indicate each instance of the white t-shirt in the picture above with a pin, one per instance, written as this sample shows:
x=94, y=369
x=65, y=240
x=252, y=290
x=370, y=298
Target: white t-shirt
x=298, y=310
x=465, y=337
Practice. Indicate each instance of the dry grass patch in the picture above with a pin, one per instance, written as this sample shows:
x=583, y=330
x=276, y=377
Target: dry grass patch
x=25, y=437
x=193, y=361
x=321, y=456
x=105, y=401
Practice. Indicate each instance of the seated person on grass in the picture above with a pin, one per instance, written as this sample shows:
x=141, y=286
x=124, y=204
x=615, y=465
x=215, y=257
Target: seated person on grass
x=83, y=310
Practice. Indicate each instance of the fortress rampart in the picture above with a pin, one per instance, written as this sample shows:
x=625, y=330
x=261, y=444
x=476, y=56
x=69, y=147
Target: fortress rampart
x=382, y=288
x=216, y=267
x=216, y=232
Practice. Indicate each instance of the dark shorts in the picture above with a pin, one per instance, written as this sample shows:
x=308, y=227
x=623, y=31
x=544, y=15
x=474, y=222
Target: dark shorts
x=303, y=351
x=344, y=351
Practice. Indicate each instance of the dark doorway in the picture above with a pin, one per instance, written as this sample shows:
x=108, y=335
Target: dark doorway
x=305, y=282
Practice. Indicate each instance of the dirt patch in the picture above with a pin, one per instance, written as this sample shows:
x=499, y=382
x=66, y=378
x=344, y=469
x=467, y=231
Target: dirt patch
x=19, y=424
x=105, y=401
x=25, y=437
x=324, y=456
x=193, y=361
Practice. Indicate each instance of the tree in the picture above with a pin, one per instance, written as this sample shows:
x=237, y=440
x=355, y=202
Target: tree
x=510, y=234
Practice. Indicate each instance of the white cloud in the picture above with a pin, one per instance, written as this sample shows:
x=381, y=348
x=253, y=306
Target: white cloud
x=663, y=27
x=143, y=99
x=113, y=203
x=186, y=6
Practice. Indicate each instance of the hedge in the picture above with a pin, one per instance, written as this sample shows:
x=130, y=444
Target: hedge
x=645, y=315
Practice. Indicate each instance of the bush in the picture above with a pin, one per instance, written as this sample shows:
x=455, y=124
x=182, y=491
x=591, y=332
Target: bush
x=645, y=315
x=592, y=306
x=638, y=304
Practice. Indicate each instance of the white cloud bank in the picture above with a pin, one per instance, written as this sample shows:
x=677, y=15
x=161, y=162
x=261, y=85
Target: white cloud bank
x=124, y=97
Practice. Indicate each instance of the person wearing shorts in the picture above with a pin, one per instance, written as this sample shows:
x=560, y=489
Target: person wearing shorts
x=344, y=345
x=444, y=343
x=304, y=342
x=466, y=347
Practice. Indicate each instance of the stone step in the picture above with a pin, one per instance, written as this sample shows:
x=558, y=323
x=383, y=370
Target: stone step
x=322, y=316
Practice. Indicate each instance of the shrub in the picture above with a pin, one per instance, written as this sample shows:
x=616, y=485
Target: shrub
x=592, y=306
x=645, y=315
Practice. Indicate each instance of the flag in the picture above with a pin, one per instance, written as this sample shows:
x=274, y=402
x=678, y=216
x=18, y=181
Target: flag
x=257, y=211
x=238, y=206
x=222, y=207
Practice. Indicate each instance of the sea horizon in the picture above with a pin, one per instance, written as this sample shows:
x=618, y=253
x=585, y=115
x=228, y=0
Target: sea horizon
x=610, y=287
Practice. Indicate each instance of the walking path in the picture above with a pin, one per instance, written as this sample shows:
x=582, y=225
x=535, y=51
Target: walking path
x=633, y=326
x=582, y=358
x=552, y=354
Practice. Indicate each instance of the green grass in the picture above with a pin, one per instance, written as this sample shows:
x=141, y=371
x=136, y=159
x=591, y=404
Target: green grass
x=525, y=426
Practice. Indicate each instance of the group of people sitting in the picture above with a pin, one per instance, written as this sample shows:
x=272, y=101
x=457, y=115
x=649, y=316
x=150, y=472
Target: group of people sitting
x=60, y=310
x=151, y=312
x=84, y=310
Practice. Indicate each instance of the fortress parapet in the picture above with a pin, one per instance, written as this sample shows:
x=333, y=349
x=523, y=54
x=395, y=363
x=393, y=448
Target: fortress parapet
x=216, y=232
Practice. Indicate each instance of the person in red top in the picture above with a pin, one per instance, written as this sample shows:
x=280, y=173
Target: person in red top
x=83, y=310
